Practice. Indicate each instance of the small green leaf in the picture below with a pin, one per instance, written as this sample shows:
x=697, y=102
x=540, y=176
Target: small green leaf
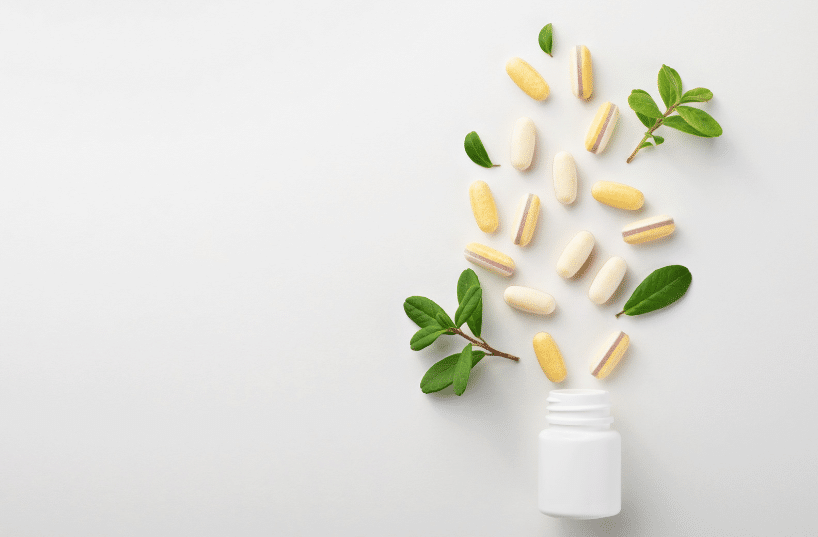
x=470, y=303
x=661, y=288
x=425, y=337
x=547, y=38
x=646, y=121
x=444, y=320
x=468, y=279
x=700, y=120
x=423, y=311
x=697, y=95
x=676, y=122
x=645, y=144
x=441, y=375
x=462, y=370
x=643, y=103
x=670, y=85
x=658, y=139
x=476, y=151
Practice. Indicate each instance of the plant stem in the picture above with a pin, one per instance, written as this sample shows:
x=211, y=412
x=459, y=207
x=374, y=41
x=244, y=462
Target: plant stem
x=656, y=125
x=482, y=344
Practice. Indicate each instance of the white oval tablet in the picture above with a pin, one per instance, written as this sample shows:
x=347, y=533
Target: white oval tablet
x=522, y=143
x=607, y=280
x=575, y=254
x=565, y=177
x=529, y=300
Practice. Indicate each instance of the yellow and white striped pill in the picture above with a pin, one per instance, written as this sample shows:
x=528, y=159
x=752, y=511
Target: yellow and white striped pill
x=527, y=78
x=582, y=72
x=525, y=219
x=529, y=300
x=483, y=206
x=575, y=254
x=648, y=229
x=610, y=354
x=607, y=280
x=550, y=357
x=618, y=195
x=565, y=178
x=489, y=258
x=522, y=143
x=599, y=134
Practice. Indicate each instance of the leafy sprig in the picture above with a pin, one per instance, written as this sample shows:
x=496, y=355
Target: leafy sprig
x=691, y=120
x=435, y=322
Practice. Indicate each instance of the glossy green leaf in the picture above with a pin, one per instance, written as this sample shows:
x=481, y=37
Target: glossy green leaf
x=646, y=121
x=441, y=375
x=641, y=102
x=468, y=278
x=697, y=95
x=444, y=320
x=670, y=85
x=661, y=288
x=700, y=120
x=472, y=300
x=645, y=144
x=658, y=139
x=425, y=337
x=676, y=122
x=423, y=311
x=476, y=151
x=462, y=370
x=547, y=38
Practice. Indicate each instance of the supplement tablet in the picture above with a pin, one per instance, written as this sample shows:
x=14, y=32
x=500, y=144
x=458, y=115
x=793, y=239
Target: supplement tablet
x=489, y=258
x=522, y=143
x=575, y=254
x=607, y=280
x=582, y=72
x=609, y=354
x=527, y=78
x=618, y=195
x=565, y=178
x=648, y=229
x=525, y=219
x=529, y=300
x=483, y=206
x=599, y=133
x=550, y=357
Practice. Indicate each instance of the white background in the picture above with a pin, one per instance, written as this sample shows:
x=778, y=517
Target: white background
x=211, y=213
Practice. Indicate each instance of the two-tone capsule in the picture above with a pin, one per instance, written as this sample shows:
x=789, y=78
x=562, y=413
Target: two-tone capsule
x=522, y=143
x=648, y=229
x=582, y=72
x=602, y=127
x=489, y=258
x=529, y=300
x=525, y=219
x=575, y=254
x=618, y=195
x=549, y=357
x=565, y=178
x=527, y=78
x=607, y=280
x=483, y=206
x=609, y=354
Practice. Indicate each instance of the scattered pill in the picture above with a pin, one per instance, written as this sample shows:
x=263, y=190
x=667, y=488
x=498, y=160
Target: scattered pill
x=648, y=229
x=618, y=195
x=610, y=354
x=607, y=280
x=525, y=219
x=582, y=72
x=529, y=300
x=575, y=254
x=489, y=259
x=522, y=143
x=483, y=206
x=565, y=177
x=527, y=78
x=550, y=357
x=601, y=128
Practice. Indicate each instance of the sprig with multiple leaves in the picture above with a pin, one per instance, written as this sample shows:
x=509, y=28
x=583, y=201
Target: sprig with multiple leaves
x=661, y=288
x=435, y=322
x=691, y=120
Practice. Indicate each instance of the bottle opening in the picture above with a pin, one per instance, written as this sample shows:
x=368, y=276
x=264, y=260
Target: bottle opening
x=590, y=408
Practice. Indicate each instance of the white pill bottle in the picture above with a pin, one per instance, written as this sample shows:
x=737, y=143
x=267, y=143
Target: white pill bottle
x=580, y=457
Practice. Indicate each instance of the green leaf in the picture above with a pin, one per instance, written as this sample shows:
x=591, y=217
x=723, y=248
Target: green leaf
x=441, y=375
x=661, y=288
x=645, y=144
x=643, y=103
x=700, y=120
x=547, y=38
x=462, y=370
x=423, y=311
x=646, y=121
x=697, y=95
x=658, y=139
x=476, y=151
x=471, y=302
x=444, y=320
x=468, y=279
x=425, y=337
x=676, y=122
x=670, y=85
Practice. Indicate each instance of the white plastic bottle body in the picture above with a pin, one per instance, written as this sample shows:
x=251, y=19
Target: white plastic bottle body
x=580, y=457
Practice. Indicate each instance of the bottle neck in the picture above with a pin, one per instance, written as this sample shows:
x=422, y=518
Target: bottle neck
x=579, y=409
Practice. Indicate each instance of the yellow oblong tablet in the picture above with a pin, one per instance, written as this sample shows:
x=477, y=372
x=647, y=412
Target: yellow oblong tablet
x=610, y=354
x=550, y=357
x=648, y=229
x=582, y=72
x=618, y=195
x=525, y=219
x=483, y=206
x=489, y=258
x=527, y=78
x=599, y=134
